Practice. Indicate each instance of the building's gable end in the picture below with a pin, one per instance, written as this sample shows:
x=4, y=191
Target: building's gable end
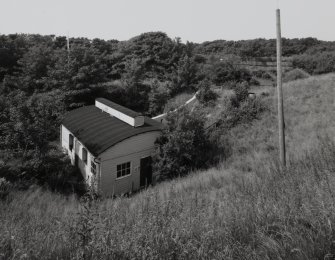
x=131, y=150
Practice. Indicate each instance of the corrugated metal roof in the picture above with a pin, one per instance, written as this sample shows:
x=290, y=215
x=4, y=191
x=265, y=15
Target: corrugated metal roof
x=118, y=107
x=98, y=130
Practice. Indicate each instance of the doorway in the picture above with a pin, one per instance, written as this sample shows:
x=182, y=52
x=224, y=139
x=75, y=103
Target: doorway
x=76, y=160
x=146, y=171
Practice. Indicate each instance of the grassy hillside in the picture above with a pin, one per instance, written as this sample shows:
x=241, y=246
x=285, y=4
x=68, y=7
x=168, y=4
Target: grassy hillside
x=247, y=209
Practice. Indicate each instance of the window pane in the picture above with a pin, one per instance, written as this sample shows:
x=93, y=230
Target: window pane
x=123, y=169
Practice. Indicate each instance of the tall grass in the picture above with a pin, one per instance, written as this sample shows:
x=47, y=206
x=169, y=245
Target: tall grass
x=309, y=114
x=250, y=208
x=276, y=214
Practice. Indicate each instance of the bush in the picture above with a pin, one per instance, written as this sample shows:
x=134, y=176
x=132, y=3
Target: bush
x=254, y=82
x=239, y=109
x=241, y=93
x=56, y=172
x=158, y=97
x=53, y=171
x=206, y=95
x=262, y=74
x=294, y=75
x=183, y=146
x=245, y=113
x=225, y=71
x=316, y=64
x=5, y=188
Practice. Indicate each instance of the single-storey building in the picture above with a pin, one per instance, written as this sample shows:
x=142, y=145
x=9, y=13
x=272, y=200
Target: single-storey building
x=111, y=145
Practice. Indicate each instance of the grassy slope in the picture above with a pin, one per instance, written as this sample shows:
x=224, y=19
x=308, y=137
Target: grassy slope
x=309, y=113
x=221, y=213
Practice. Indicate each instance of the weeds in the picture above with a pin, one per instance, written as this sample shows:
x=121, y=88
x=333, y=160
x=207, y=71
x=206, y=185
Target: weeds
x=258, y=211
x=277, y=214
x=5, y=187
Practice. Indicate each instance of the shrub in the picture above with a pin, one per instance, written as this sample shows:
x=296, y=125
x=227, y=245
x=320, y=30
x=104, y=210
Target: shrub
x=183, y=146
x=317, y=63
x=56, y=172
x=5, y=188
x=262, y=74
x=247, y=111
x=224, y=72
x=53, y=171
x=185, y=77
x=294, y=75
x=9, y=172
x=158, y=97
x=206, y=95
x=241, y=93
x=239, y=109
x=254, y=82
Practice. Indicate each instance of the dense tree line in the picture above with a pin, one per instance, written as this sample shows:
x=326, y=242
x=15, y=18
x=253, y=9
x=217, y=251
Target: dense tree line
x=265, y=48
x=310, y=54
x=40, y=80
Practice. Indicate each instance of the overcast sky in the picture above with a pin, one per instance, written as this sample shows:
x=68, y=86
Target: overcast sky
x=192, y=20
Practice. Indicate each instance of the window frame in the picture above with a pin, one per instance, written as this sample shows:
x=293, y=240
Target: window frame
x=125, y=170
x=94, y=168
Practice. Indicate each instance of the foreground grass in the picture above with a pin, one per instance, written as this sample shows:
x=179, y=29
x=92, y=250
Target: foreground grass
x=248, y=209
x=218, y=215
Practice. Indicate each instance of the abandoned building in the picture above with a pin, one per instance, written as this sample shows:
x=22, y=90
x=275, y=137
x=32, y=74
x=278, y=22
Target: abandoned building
x=111, y=145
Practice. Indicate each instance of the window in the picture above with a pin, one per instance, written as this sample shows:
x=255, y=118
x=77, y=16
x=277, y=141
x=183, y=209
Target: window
x=71, y=142
x=122, y=170
x=84, y=155
x=93, y=167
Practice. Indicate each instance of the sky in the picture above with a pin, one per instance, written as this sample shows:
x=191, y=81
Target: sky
x=191, y=20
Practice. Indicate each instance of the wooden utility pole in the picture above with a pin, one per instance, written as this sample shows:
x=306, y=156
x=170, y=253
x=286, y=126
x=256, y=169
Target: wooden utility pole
x=281, y=123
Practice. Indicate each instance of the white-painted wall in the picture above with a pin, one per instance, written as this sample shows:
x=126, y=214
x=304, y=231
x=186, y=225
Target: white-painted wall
x=85, y=168
x=129, y=150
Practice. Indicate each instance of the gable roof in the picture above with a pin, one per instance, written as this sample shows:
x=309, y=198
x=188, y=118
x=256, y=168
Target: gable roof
x=98, y=131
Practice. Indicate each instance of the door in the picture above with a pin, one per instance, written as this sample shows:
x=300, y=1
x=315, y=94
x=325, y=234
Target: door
x=76, y=160
x=146, y=171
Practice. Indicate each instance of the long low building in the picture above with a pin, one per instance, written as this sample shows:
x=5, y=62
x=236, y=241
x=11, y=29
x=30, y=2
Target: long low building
x=111, y=145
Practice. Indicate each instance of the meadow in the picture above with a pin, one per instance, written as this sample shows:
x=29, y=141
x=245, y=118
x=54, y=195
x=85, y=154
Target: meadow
x=247, y=208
